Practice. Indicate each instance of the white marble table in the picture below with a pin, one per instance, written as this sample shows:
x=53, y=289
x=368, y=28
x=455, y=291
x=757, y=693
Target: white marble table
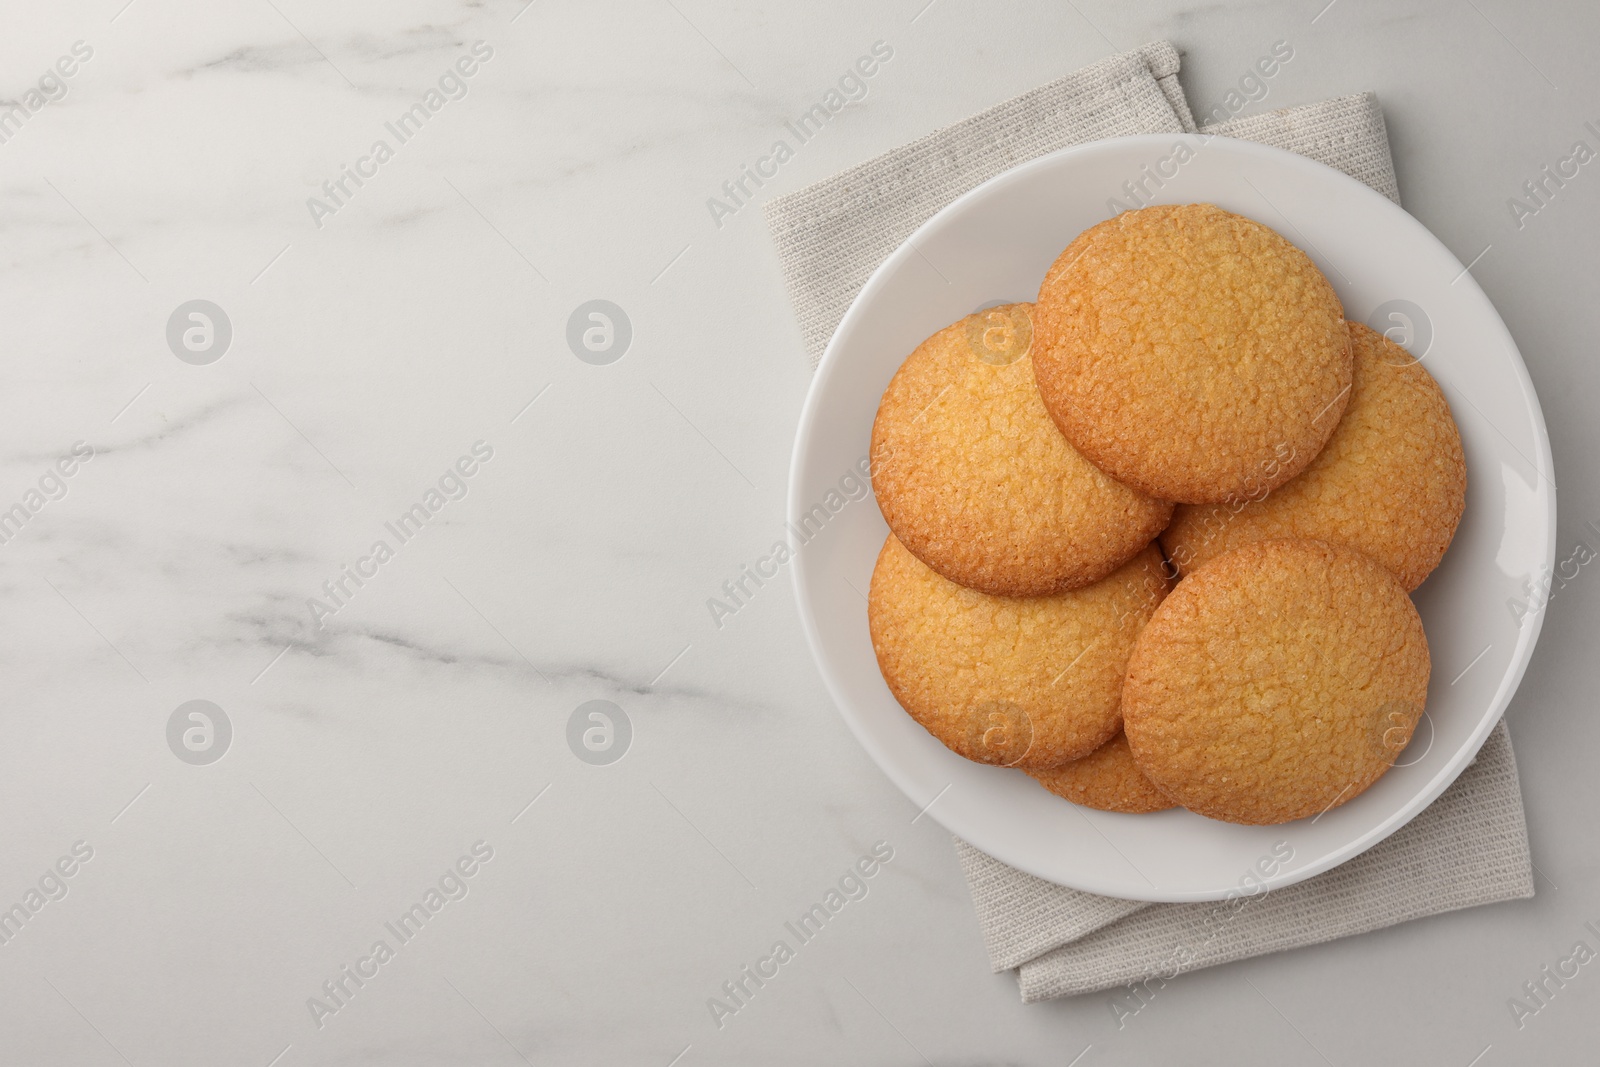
x=409, y=731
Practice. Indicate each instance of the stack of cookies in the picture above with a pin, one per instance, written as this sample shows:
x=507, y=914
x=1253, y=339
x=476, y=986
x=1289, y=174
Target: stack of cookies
x=1153, y=536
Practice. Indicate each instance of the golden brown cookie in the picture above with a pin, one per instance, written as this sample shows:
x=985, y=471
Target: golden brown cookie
x=1192, y=353
x=1107, y=779
x=1391, y=482
x=974, y=478
x=1029, y=682
x=1275, y=682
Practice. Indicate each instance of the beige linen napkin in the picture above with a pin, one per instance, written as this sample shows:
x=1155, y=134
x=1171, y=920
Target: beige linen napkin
x=1470, y=847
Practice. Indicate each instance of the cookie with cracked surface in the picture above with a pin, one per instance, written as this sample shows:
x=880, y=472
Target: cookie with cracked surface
x=1191, y=353
x=1277, y=681
x=1028, y=682
x=1392, y=480
x=1108, y=779
x=975, y=480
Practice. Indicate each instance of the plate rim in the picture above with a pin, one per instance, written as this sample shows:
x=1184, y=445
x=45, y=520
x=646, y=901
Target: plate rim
x=1527, y=638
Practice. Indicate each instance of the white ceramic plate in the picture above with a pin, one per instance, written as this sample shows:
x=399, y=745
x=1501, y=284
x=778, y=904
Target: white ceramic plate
x=994, y=245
